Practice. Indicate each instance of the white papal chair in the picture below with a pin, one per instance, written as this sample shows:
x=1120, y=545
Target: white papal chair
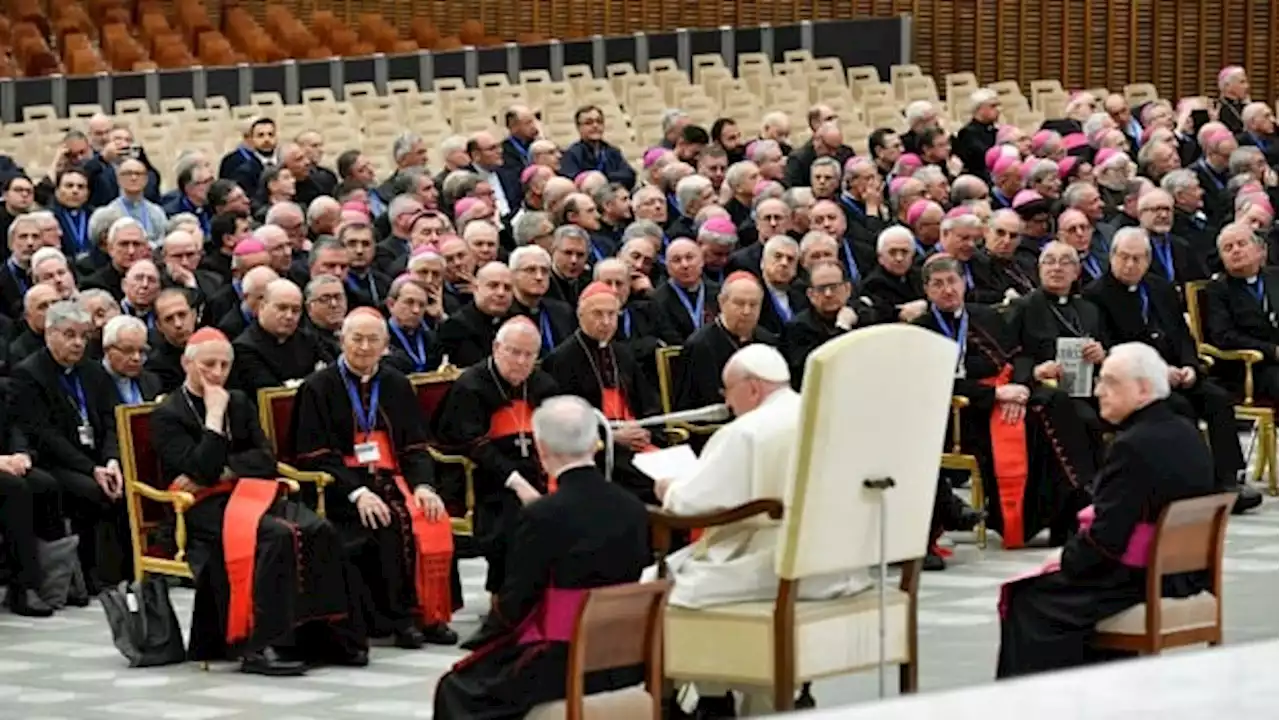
x=831, y=523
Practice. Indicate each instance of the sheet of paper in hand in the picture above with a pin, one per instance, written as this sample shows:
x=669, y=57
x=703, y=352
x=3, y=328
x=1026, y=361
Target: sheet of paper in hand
x=666, y=464
x=1077, y=373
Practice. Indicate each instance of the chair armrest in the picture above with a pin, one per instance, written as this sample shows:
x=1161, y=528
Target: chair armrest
x=180, y=500
x=959, y=402
x=675, y=435
x=765, y=506
x=318, y=478
x=441, y=457
x=692, y=429
x=1248, y=357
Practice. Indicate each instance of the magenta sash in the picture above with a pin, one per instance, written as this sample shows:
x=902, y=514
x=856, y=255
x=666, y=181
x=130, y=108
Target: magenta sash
x=554, y=619
x=1134, y=556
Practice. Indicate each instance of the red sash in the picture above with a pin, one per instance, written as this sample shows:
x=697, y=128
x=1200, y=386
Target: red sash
x=516, y=418
x=1009, y=458
x=249, y=501
x=614, y=407
x=432, y=540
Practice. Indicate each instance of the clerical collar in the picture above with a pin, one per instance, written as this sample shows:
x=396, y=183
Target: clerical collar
x=1252, y=279
x=1131, y=288
x=1061, y=299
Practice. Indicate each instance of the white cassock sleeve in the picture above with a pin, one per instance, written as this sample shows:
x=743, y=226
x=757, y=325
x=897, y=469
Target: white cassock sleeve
x=721, y=479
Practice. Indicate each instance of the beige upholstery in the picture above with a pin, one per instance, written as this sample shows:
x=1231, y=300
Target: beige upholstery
x=1176, y=614
x=631, y=703
x=832, y=636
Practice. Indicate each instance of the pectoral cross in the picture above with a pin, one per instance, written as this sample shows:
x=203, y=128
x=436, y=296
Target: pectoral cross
x=524, y=443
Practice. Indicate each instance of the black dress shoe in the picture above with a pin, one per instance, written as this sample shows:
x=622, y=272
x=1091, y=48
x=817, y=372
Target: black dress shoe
x=409, y=639
x=474, y=640
x=805, y=701
x=1247, y=498
x=934, y=562
x=723, y=706
x=969, y=519
x=358, y=658
x=439, y=634
x=26, y=603
x=267, y=662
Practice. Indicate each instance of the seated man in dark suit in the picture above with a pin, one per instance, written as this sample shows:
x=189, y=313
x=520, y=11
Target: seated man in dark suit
x=1156, y=458
x=637, y=331
x=1138, y=306
x=66, y=407
x=710, y=347
x=1241, y=308
x=124, y=345
x=467, y=336
x=274, y=350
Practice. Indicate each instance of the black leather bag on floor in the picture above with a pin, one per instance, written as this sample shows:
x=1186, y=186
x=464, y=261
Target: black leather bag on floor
x=143, y=624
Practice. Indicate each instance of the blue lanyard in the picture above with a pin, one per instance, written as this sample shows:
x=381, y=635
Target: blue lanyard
x=522, y=149
x=143, y=217
x=849, y=264
x=626, y=322
x=18, y=278
x=1001, y=200
x=674, y=202
x=130, y=394
x=355, y=286
x=1091, y=266
x=920, y=249
x=662, y=252
x=248, y=317
x=1145, y=301
x=695, y=311
x=365, y=421
x=79, y=230
x=596, y=254
x=1213, y=175
x=853, y=205
x=1259, y=292
x=544, y=324
x=600, y=158
x=968, y=276
x=201, y=214
x=238, y=287
x=420, y=357
x=961, y=336
x=149, y=318
x=71, y=383
x=244, y=153
x=376, y=206
x=784, y=312
x=1164, y=253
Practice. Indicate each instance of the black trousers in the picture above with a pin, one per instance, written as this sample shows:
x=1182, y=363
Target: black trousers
x=1208, y=401
x=102, y=524
x=29, y=511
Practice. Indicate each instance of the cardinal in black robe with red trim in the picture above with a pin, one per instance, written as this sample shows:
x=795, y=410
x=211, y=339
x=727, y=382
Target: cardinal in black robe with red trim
x=487, y=415
x=359, y=421
x=590, y=365
x=272, y=586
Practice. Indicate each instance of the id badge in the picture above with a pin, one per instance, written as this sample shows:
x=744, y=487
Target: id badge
x=367, y=453
x=960, y=372
x=86, y=435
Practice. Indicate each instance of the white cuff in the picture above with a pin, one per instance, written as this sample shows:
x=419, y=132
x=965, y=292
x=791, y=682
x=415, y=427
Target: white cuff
x=512, y=478
x=354, y=495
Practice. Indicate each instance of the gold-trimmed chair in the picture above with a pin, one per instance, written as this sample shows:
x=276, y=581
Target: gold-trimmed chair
x=668, y=361
x=140, y=467
x=431, y=388
x=957, y=459
x=1264, y=418
x=275, y=413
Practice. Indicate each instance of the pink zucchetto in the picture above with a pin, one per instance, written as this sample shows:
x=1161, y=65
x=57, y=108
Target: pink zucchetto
x=651, y=156
x=1106, y=156
x=917, y=209
x=1006, y=163
x=720, y=225
x=997, y=152
x=1042, y=138
x=895, y=185
x=1071, y=141
x=909, y=163
x=527, y=174
x=1005, y=133
x=1026, y=197
x=958, y=212
x=249, y=246
x=461, y=207
x=1066, y=165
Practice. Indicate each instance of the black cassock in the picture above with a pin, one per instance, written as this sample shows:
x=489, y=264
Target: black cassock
x=702, y=361
x=467, y=336
x=264, y=361
x=1058, y=455
x=1241, y=314
x=880, y=293
x=580, y=366
x=804, y=334
x=1155, y=459
x=304, y=593
x=487, y=419
x=325, y=431
x=589, y=533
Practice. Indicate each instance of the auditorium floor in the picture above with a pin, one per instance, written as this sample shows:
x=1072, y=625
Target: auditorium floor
x=66, y=666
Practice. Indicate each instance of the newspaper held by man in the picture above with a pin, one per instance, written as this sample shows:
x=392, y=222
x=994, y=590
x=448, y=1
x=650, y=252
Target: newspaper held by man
x=1077, y=373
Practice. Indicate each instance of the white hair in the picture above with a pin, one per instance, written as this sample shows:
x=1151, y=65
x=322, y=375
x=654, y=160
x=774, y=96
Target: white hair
x=893, y=232
x=919, y=110
x=980, y=97
x=119, y=324
x=1042, y=170
x=762, y=149
x=774, y=119
x=1131, y=232
x=606, y=264
x=120, y=225
x=1139, y=361
x=1094, y=123
x=317, y=282
x=737, y=171
x=422, y=258
x=932, y=174
x=509, y=328
x=403, y=145
x=566, y=425
x=478, y=226
x=64, y=312
x=968, y=220
x=101, y=220
x=348, y=324
x=44, y=255
x=670, y=117
x=320, y=206
x=1180, y=180
x=689, y=188
x=1228, y=75
x=525, y=253
x=780, y=242
x=814, y=237
x=277, y=211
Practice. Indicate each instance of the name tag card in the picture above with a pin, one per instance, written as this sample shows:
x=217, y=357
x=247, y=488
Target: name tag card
x=367, y=453
x=86, y=435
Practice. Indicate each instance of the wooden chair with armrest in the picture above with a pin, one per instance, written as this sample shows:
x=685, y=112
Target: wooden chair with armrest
x=957, y=459
x=1190, y=536
x=275, y=412
x=616, y=627
x=140, y=467
x=431, y=388
x=1262, y=417
x=827, y=524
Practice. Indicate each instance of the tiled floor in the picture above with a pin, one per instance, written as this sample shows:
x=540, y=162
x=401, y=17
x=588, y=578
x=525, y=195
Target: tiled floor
x=66, y=666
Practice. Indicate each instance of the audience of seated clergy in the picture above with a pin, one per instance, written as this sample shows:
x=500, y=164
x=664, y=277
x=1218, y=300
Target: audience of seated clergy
x=244, y=313
x=487, y=415
x=1032, y=447
x=413, y=347
x=293, y=605
x=531, y=279
x=592, y=366
x=707, y=350
x=1156, y=458
x=459, y=273
x=590, y=533
x=687, y=301
x=175, y=323
x=1141, y=306
x=569, y=251
x=124, y=349
x=326, y=302
x=961, y=231
x=28, y=334
x=180, y=253
x=65, y=405
x=857, y=258
x=466, y=337
x=1240, y=309
x=638, y=323
x=358, y=420
x=248, y=254
x=276, y=350
x=826, y=315
x=892, y=291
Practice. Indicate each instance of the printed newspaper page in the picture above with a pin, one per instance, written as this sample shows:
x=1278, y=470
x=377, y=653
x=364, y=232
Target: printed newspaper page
x=1077, y=374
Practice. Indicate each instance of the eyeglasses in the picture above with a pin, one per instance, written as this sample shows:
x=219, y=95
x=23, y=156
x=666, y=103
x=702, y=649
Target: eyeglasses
x=828, y=288
x=330, y=300
x=131, y=351
x=1059, y=261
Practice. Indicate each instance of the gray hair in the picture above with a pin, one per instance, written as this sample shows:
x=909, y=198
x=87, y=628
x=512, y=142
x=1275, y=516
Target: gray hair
x=919, y=110
x=964, y=188
x=405, y=181
x=797, y=196
x=525, y=253
x=185, y=169
x=980, y=97
x=92, y=294
x=1180, y=180
x=403, y=145
x=780, y=242
x=316, y=283
x=689, y=188
x=66, y=312
x=122, y=224
x=1130, y=232
x=762, y=149
x=1093, y=124
x=717, y=238
x=1042, y=170
x=321, y=205
x=893, y=232
x=177, y=220
x=737, y=171
x=452, y=144
x=1234, y=185
x=530, y=225
x=403, y=205
x=325, y=242
x=1074, y=193
x=119, y=324
x=1141, y=362
x=102, y=219
x=670, y=117
x=24, y=219
x=44, y=255
x=567, y=426
x=826, y=162
x=968, y=220
x=930, y=174
x=607, y=263
x=641, y=229
x=277, y=212
x=814, y=237
x=459, y=184
x=565, y=232
x=1242, y=157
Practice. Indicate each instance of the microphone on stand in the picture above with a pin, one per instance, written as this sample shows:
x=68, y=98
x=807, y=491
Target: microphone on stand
x=710, y=413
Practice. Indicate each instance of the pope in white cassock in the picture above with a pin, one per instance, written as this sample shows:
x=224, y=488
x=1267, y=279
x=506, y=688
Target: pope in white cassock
x=748, y=459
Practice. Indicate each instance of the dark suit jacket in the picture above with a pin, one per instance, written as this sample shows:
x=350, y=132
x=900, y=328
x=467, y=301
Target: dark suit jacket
x=1234, y=319
x=199, y=453
x=1035, y=327
x=50, y=417
x=14, y=282
x=108, y=278
x=580, y=157
x=801, y=160
x=771, y=318
x=244, y=167
x=467, y=336
x=388, y=252
x=1163, y=329
x=971, y=145
x=675, y=325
